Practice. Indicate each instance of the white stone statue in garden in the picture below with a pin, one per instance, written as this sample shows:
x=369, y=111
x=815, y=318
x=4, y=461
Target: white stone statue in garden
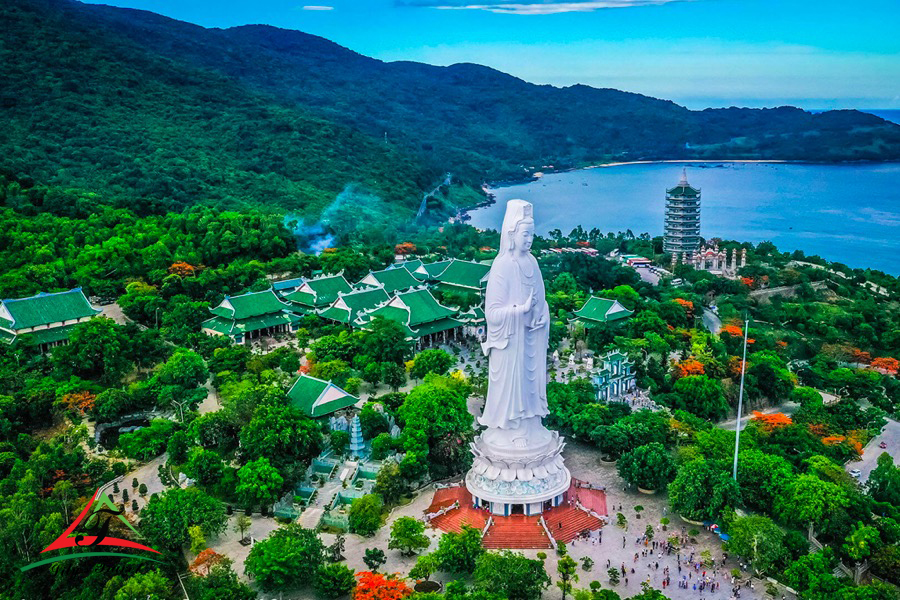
x=518, y=326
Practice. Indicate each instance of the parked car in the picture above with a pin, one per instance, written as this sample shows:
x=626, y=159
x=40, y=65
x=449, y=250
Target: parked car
x=856, y=473
x=882, y=445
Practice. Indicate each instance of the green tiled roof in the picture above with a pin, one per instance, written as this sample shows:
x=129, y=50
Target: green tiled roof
x=393, y=280
x=409, y=265
x=239, y=326
x=7, y=337
x=424, y=308
x=249, y=305
x=602, y=310
x=463, y=273
x=44, y=309
x=684, y=191
x=320, y=292
x=431, y=270
x=436, y=326
x=348, y=306
x=48, y=336
x=318, y=398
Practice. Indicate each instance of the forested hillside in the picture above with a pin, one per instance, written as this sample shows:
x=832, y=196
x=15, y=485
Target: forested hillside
x=88, y=108
x=157, y=114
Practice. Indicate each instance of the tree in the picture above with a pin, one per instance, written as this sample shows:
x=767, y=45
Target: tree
x=649, y=467
x=177, y=447
x=432, y=360
x=97, y=349
x=703, y=489
x=259, y=482
x=198, y=542
x=511, y=575
x=374, y=558
x=242, y=523
x=425, y=565
x=438, y=409
x=809, y=499
x=861, y=542
x=458, y=552
x=152, y=585
x=393, y=375
x=566, y=570
x=385, y=342
x=340, y=440
x=762, y=477
x=166, y=518
x=372, y=374
x=290, y=557
x=376, y=586
x=372, y=420
x=281, y=433
x=408, y=536
x=205, y=466
x=382, y=445
x=220, y=583
x=334, y=580
x=390, y=483
x=365, y=514
x=702, y=396
x=758, y=539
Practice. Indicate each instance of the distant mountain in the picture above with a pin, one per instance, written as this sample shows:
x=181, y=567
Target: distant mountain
x=257, y=113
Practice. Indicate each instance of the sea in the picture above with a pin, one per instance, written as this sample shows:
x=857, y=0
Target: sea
x=849, y=213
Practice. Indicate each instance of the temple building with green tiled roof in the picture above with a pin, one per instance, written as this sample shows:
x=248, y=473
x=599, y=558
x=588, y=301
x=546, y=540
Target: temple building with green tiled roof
x=251, y=316
x=424, y=318
x=45, y=319
x=318, y=293
x=463, y=276
x=597, y=311
x=348, y=307
x=392, y=280
x=318, y=398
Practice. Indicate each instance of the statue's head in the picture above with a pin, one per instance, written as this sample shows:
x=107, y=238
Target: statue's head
x=518, y=228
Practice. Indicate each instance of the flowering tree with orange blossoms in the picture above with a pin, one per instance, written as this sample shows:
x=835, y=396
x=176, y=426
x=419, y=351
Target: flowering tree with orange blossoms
x=748, y=281
x=772, y=421
x=183, y=269
x=734, y=330
x=861, y=357
x=735, y=365
x=833, y=440
x=205, y=561
x=687, y=305
x=818, y=429
x=688, y=367
x=583, y=244
x=887, y=364
x=378, y=586
x=405, y=248
x=82, y=402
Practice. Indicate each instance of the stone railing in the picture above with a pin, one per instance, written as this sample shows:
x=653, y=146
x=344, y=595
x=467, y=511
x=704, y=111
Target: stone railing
x=487, y=526
x=429, y=516
x=547, y=531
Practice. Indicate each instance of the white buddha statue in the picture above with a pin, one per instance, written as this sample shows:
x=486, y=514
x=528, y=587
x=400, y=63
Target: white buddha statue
x=518, y=326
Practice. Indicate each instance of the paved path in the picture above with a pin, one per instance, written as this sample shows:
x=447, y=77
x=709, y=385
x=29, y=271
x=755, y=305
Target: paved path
x=711, y=321
x=891, y=436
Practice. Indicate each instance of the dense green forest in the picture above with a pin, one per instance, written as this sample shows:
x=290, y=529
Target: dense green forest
x=159, y=115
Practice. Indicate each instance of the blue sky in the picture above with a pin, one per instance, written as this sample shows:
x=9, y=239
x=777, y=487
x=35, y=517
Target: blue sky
x=700, y=53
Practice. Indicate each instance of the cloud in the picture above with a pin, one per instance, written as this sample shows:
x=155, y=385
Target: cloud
x=316, y=7
x=533, y=7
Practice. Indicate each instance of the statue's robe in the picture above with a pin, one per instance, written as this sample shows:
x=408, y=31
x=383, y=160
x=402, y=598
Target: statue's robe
x=516, y=343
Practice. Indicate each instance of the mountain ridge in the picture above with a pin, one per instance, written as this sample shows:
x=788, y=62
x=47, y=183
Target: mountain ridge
x=391, y=127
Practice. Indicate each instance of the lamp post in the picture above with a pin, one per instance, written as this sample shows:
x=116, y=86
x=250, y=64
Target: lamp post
x=737, y=427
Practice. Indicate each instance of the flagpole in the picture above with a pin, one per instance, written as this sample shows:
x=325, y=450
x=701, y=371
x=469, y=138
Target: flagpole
x=737, y=428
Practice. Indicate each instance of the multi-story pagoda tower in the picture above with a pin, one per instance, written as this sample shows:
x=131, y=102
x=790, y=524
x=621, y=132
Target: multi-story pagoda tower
x=682, y=225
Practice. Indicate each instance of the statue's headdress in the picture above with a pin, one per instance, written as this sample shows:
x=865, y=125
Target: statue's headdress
x=517, y=211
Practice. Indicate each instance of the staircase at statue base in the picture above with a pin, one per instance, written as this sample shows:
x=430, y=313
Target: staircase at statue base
x=454, y=519
x=516, y=531
x=568, y=522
